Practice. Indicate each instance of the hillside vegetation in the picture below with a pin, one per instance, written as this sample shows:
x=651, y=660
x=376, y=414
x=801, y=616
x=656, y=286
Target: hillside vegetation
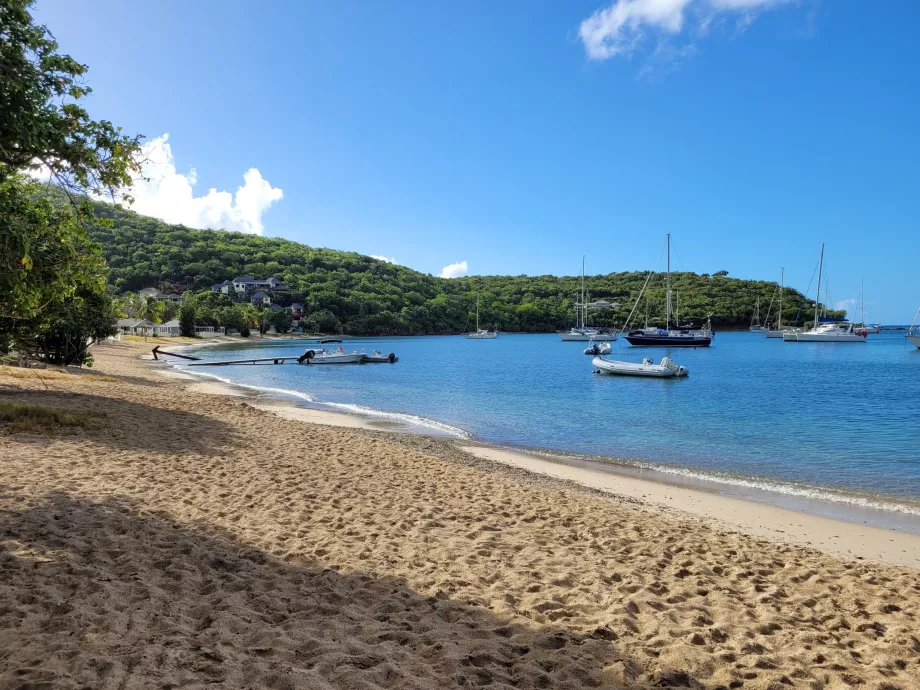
x=355, y=294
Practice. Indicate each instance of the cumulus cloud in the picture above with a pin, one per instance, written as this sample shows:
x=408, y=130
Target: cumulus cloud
x=457, y=270
x=621, y=27
x=388, y=259
x=163, y=192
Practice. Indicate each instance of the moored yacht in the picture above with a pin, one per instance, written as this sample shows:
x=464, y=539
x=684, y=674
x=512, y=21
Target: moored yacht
x=581, y=332
x=839, y=332
x=480, y=333
x=672, y=335
x=755, y=320
x=913, y=337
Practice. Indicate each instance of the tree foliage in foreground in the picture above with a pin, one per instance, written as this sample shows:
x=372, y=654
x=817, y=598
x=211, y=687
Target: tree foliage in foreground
x=355, y=294
x=53, y=296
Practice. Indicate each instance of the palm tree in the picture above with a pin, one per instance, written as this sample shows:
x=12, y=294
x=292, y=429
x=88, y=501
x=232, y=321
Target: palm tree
x=150, y=309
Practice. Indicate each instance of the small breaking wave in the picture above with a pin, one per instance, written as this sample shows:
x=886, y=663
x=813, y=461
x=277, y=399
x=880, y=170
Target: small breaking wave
x=409, y=419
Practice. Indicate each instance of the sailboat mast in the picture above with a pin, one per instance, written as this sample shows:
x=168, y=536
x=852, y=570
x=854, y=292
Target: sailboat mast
x=818, y=295
x=862, y=299
x=779, y=317
x=582, y=291
x=668, y=295
x=477, y=313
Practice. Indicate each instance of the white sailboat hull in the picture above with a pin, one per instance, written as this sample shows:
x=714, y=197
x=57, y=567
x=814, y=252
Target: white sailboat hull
x=572, y=336
x=810, y=337
x=481, y=335
x=667, y=369
x=757, y=329
x=915, y=339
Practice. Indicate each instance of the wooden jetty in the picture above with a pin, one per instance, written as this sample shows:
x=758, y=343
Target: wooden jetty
x=263, y=360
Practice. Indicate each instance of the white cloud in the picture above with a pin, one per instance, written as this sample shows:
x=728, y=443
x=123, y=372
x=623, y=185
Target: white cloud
x=848, y=304
x=388, y=259
x=619, y=28
x=457, y=270
x=169, y=195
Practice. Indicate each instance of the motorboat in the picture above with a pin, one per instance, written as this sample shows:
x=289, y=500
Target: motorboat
x=480, y=333
x=666, y=369
x=673, y=334
x=602, y=348
x=379, y=357
x=338, y=356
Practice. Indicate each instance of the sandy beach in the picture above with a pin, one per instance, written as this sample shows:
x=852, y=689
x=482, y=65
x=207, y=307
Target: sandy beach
x=188, y=539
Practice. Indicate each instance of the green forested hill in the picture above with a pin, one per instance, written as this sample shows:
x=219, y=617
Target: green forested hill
x=356, y=294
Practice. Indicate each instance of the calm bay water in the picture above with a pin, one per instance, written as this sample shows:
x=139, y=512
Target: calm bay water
x=794, y=416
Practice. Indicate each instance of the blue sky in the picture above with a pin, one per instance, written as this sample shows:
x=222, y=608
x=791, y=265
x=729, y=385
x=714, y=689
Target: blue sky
x=517, y=136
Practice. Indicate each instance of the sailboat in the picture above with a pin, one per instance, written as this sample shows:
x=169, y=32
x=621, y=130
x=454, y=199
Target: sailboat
x=914, y=338
x=755, y=320
x=581, y=332
x=779, y=330
x=838, y=332
x=875, y=328
x=678, y=336
x=480, y=333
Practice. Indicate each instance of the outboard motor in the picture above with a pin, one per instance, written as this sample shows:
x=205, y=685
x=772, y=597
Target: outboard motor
x=306, y=357
x=392, y=358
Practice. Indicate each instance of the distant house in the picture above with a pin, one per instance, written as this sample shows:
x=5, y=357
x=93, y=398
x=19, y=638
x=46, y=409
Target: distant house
x=168, y=328
x=136, y=326
x=260, y=298
x=224, y=288
x=277, y=307
x=174, y=298
x=296, y=310
x=244, y=283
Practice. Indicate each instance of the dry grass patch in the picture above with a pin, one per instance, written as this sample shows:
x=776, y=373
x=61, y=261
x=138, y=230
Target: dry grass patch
x=51, y=375
x=43, y=420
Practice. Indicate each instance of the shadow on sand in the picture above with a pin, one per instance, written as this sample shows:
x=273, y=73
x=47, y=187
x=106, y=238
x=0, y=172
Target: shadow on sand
x=105, y=594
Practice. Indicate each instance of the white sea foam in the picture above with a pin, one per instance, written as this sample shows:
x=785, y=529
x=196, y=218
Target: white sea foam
x=410, y=419
x=748, y=483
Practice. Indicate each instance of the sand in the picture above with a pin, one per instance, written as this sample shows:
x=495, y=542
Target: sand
x=193, y=540
x=834, y=536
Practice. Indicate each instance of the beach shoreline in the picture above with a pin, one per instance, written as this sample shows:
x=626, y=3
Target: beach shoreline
x=882, y=524
x=188, y=537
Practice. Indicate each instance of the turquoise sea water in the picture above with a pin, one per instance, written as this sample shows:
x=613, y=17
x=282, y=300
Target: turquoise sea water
x=791, y=417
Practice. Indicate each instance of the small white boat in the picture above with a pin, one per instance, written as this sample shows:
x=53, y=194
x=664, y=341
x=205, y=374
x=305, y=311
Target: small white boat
x=667, y=368
x=331, y=357
x=599, y=349
x=379, y=357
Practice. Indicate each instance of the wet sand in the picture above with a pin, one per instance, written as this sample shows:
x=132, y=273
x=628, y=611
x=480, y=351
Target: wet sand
x=192, y=539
